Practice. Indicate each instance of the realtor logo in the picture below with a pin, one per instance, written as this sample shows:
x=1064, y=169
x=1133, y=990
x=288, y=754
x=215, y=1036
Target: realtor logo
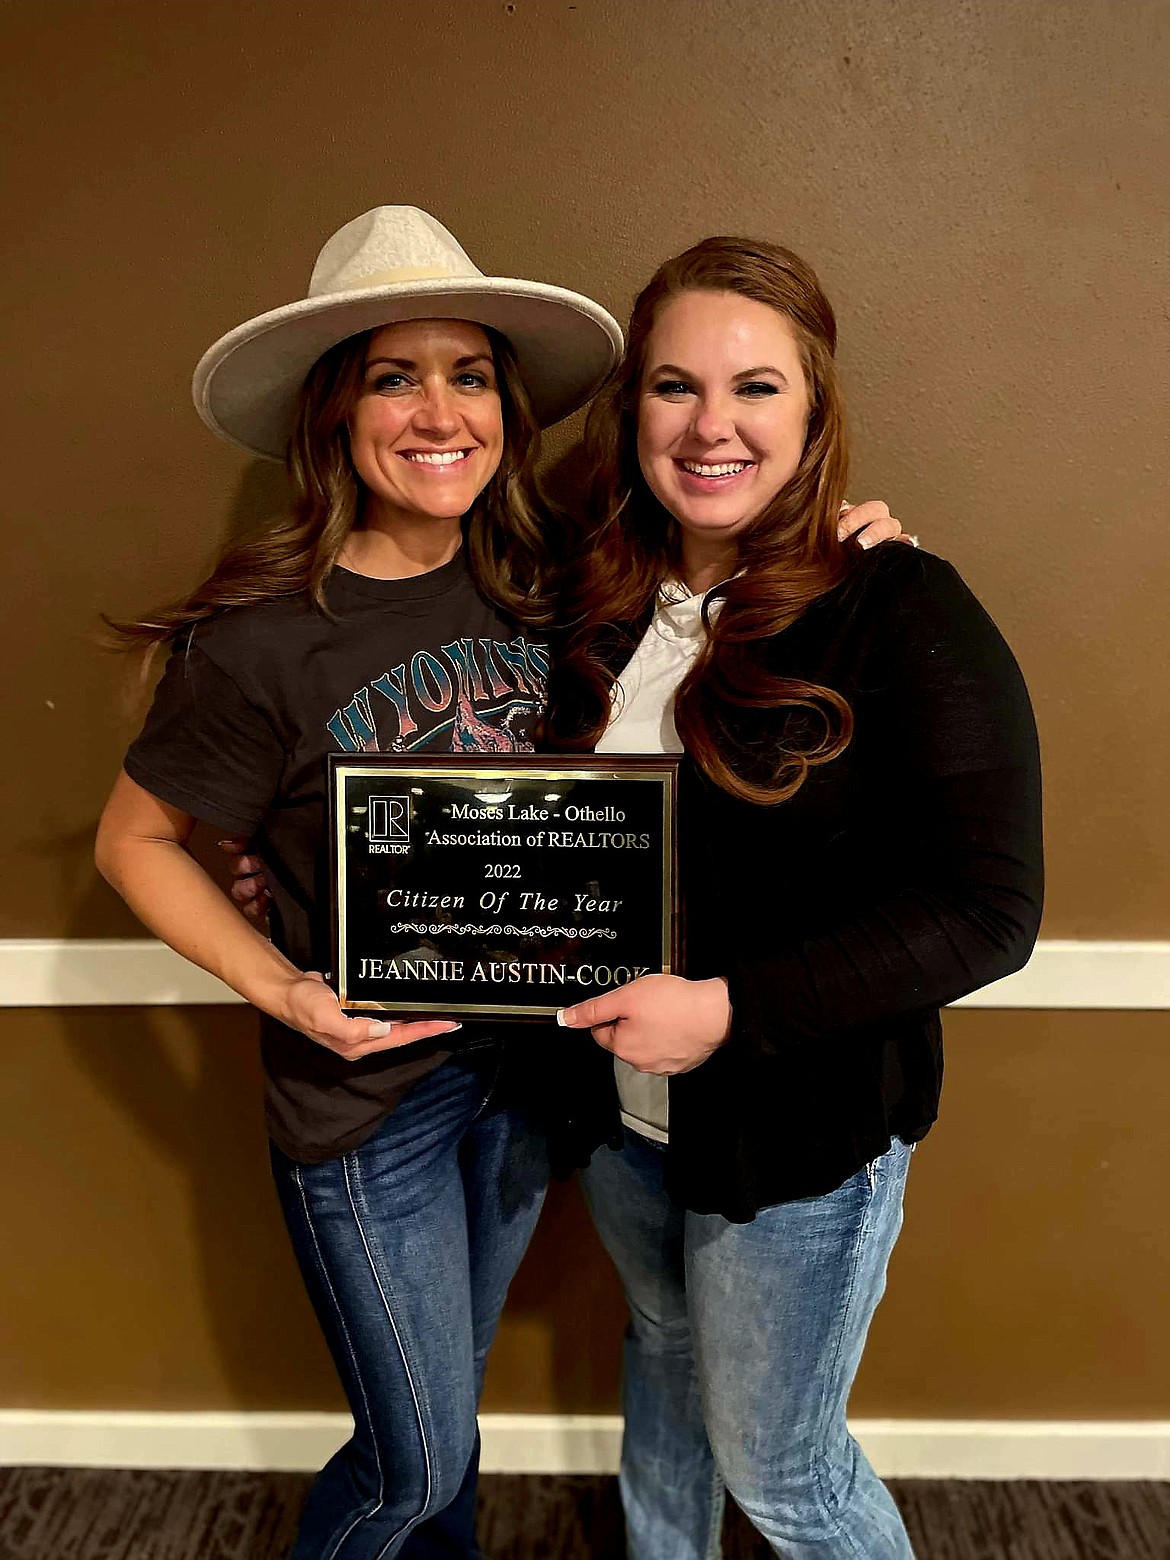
x=388, y=820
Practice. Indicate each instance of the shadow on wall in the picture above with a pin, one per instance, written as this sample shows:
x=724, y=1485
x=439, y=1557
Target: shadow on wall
x=187, y=1082
x=559, y=1348
x=262, y=495
x=565, y=476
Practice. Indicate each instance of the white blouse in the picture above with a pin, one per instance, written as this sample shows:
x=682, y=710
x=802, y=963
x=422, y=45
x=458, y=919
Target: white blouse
x=642, y=721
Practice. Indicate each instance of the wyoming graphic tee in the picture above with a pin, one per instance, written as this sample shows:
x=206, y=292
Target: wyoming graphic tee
x=248, y=707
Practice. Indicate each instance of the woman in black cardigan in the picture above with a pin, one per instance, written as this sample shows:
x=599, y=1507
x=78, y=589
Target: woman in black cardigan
x=859, y=845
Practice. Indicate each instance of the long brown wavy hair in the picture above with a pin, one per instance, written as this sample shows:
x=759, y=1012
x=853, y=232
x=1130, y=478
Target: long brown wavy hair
x=788, y=557
x=508, y=531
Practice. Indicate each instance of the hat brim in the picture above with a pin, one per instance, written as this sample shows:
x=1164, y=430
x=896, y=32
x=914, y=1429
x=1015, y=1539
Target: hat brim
x=245, y=386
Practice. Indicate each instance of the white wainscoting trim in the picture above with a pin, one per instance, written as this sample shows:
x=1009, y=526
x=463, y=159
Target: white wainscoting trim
x=580, y=1443
x=101, y=972
x=1068, y=974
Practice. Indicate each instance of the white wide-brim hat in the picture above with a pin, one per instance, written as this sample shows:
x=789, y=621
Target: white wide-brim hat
x=399, y=263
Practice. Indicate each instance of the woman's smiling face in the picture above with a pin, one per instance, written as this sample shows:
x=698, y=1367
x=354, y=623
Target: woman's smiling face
x=427, y=432
x=723, y=412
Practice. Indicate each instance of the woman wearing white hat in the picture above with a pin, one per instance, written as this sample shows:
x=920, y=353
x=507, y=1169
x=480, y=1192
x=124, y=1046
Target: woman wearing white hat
x=408, y=390
x=402, y=606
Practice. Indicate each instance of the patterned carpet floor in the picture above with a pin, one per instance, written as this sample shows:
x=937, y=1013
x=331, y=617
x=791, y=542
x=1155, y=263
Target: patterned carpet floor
x=100, y=1514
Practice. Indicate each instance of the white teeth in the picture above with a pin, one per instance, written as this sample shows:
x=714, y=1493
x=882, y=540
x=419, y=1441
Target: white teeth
x=439, y=458
x=728, y=469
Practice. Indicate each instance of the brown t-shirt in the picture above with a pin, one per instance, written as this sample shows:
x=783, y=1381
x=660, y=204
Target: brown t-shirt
x=247, y=708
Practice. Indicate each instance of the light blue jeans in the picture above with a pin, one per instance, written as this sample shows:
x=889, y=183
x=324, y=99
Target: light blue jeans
x=407, y=1246
x=743, y=1343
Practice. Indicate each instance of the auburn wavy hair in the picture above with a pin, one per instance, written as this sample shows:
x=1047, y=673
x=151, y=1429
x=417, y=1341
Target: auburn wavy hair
x=788, y=557
x=509, y=531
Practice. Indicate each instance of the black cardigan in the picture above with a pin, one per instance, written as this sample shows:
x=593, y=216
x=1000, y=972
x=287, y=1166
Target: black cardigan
x=901, y=876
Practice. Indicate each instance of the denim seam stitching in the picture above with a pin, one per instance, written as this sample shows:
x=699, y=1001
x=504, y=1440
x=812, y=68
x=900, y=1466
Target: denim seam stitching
x=714, y=1545
x=346, y=1165
x=825, y=1490
x=718, y=1500
x=361, y=1517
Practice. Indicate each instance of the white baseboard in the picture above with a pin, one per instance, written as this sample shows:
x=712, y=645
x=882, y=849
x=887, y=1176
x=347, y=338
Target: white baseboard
x=139, y=972
x=1016, y=1449
x=579, y=1443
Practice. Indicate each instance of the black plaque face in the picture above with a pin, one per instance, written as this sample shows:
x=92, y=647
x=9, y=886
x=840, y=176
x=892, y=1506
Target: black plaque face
x=512, y=886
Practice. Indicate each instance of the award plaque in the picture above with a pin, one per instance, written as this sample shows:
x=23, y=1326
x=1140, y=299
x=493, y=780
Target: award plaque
x=486, y=886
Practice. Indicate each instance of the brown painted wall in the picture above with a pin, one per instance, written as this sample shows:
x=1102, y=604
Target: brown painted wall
x=1030, y=1281
x=983, y=190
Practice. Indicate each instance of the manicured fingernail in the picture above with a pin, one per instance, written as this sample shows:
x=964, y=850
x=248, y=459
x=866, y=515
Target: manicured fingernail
x=565, y=1017
x=864, y=541
x=380, y=1031
x=451, y=1028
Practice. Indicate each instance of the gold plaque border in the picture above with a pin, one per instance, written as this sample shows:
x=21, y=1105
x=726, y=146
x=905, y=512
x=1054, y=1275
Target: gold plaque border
x=641, y=766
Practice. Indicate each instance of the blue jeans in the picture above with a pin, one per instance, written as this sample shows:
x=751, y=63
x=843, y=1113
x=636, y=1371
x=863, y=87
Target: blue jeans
x=743, y=1343
x=407, y=1246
